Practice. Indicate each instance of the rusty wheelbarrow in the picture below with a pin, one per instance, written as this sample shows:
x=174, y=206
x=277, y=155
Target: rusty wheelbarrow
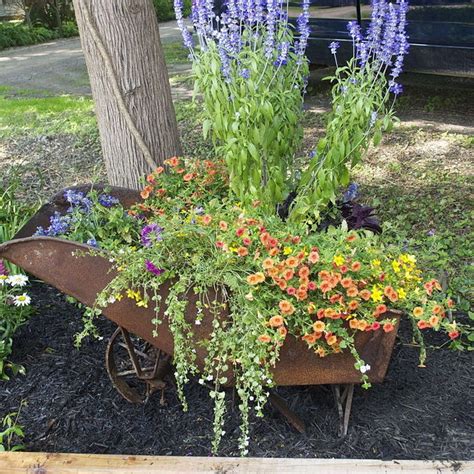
x=139, y=363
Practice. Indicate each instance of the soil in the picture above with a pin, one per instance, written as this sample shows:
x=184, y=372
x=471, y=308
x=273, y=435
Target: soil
x=417, y=413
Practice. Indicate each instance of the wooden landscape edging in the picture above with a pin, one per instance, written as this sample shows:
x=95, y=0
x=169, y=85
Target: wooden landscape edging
x=57, y=463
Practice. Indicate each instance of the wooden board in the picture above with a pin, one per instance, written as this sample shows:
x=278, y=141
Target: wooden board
x=56, y=463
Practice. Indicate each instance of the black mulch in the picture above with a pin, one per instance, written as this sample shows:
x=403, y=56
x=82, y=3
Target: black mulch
x=72, y=406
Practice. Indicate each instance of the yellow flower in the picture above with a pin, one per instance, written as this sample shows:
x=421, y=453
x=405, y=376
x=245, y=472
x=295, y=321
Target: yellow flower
x=233, y=249
x=406, y=258
x=134, y=295
x=375, y=263
x=287, y=250
x=118, y=296
x=142, y=303
x=396, y=266
x=338, y=260
x=376, y=294
x=402, y=294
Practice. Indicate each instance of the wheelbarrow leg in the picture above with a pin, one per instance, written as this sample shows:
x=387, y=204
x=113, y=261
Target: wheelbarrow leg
x=343, y=395
x=292, y=418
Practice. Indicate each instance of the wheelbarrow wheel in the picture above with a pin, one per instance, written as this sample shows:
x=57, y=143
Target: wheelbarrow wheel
x=136, y=368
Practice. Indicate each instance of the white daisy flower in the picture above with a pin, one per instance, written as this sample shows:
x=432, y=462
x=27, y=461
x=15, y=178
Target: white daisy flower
x=17, y=280
x=22, y=300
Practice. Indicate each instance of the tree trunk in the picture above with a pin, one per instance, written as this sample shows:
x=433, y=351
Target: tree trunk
x=130, y=86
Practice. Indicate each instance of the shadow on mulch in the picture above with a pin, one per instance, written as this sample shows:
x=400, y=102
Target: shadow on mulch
x=72, y=406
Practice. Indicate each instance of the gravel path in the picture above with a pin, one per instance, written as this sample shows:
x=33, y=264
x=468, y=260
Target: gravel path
x=59, y=66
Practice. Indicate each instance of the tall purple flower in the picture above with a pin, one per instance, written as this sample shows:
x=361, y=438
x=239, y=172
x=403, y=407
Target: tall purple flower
x=152, y=268
x=187, y=36
x=151, y=233
x=302, y=26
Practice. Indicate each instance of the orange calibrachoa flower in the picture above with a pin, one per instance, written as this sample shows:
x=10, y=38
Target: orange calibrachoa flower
x=353, y=305
x=381, y=309
x=288, y=275
x=346, y=282
x=174, y=161
x=292, y=262
x=256, y=278
x=282, y=331
x=331, y=339
x=311, y=338
x=206, y=220
x=188, y=176
x=434, y=320
x=145, y=194
x=418, y=312
x=423, y=324
x=273, y=272
x=351, y=237
x=223, y=225
x=286, y=307
x=365, y=295
x=313, y=257
x=264, y=338
x=356, y=266
x=267, y=263
x=362, y=326
x=437, y=309
x=242, y=251
x=319, y=326
x=352, y=291
x=276, y=321
x=325, y=286
x=388, y=327
x=303, y=272
x=354, y=324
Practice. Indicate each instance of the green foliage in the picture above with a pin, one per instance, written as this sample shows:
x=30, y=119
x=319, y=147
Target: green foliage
x=12, y=316
x=69, y=29
x=359, y=115
x=13, y=432
x=22, y=35
x=165, y=10
x=14, y=213
x=254, y=122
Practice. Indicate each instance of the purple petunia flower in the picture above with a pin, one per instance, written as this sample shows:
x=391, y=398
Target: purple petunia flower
x=3, y=269
x=151, y=233
x=152, y=268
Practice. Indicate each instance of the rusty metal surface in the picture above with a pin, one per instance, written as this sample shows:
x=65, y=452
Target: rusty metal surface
x=67, y=266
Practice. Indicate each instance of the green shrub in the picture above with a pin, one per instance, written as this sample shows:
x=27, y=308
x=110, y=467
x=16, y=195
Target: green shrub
x=70, y=29
x=22, y=35
x=165, y=10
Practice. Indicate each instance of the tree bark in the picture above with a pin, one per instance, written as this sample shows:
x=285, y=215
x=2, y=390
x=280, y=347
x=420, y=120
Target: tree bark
x=130, y=86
